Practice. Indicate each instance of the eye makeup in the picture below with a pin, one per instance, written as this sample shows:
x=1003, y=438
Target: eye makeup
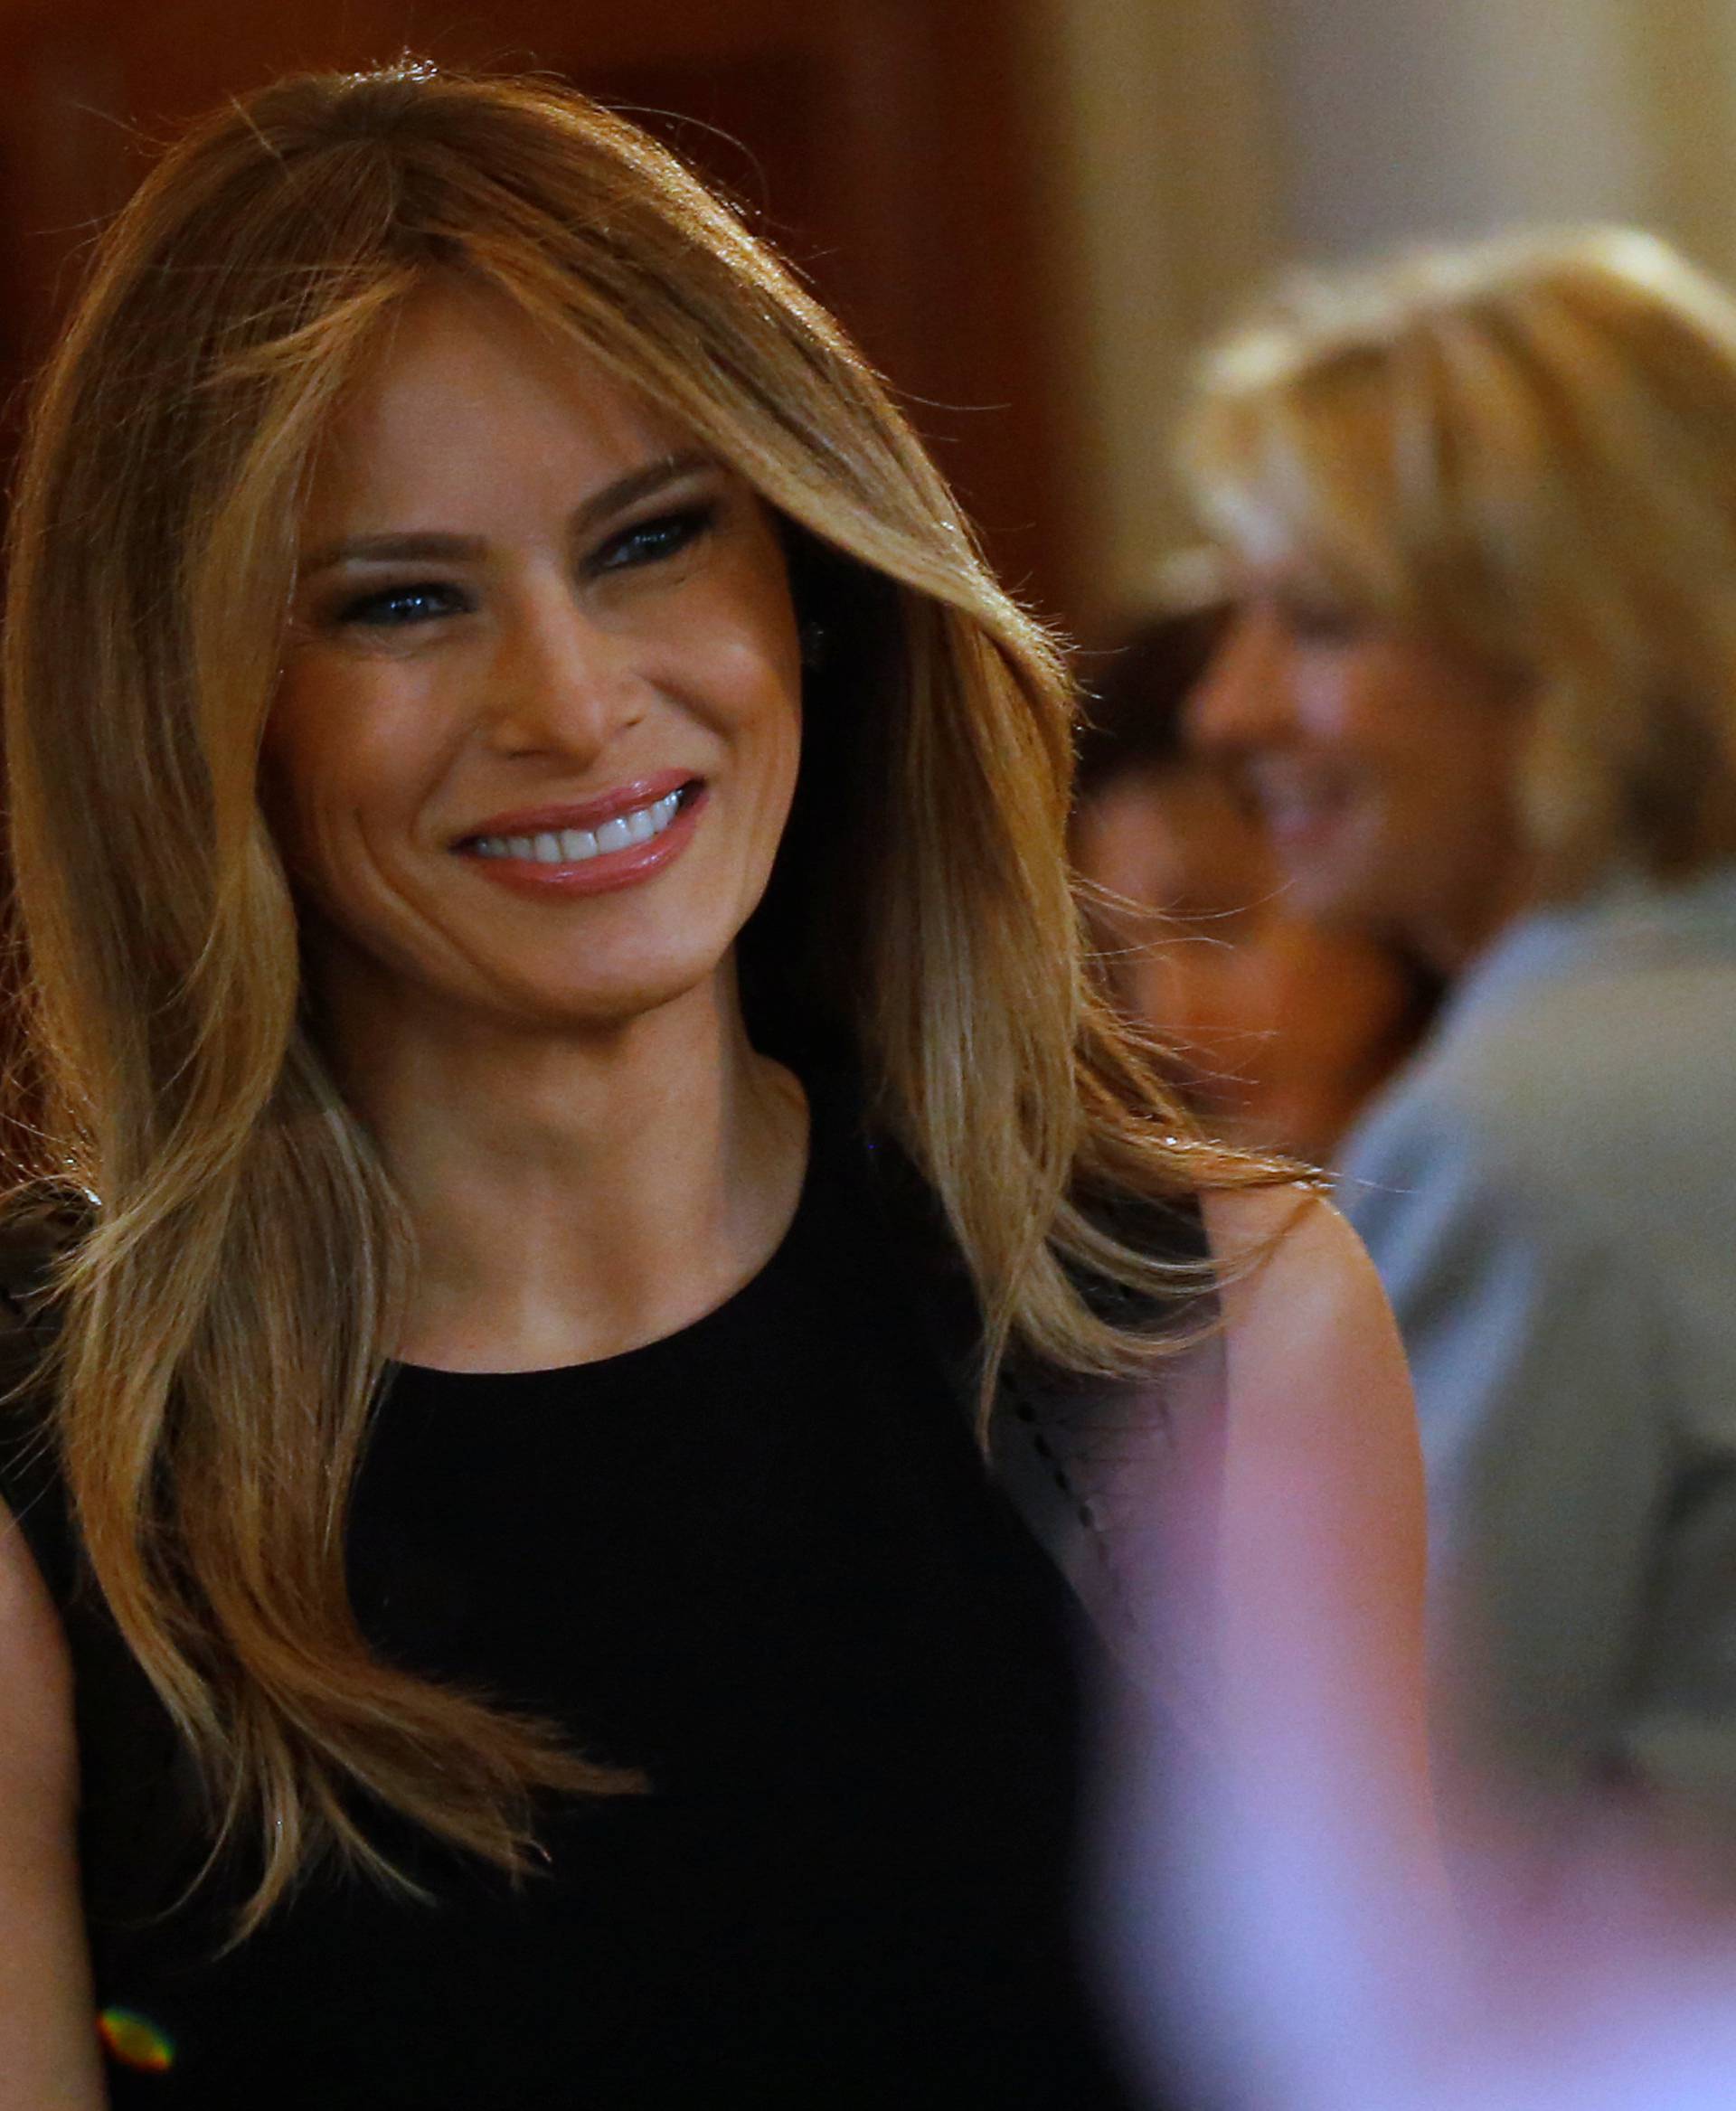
x=413, y=603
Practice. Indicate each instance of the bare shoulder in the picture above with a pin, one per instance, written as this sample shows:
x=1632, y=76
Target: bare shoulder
x=1320, y=1521
x=1317, y=1569
x=37, y=1759
x=48, y=2049
x=1310, y=1333
x=1323, y=1464
x=38, y=1226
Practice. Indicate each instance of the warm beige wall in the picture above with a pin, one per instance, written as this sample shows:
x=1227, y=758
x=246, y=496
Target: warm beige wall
x=1682, y=56
x=1412, y=117
x=1196, y=142
x=1164, y=210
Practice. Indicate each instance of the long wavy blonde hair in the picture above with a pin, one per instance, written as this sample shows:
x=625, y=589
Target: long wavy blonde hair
x=1526, y=448
x=230, y=1313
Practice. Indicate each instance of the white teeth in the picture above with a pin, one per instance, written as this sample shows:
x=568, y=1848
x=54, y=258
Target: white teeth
x=572, y=846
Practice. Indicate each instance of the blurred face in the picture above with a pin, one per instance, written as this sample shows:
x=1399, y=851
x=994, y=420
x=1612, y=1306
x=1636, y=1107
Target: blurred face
x=1385, y=767
x=538, y=726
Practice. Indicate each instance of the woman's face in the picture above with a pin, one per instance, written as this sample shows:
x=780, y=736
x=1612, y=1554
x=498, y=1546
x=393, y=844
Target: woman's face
x=539, y=719
x=1385, y=767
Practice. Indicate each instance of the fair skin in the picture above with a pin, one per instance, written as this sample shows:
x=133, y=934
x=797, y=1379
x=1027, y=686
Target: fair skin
x=591, y=1153
x=1312, y=1879
x=50, y=2059
x=1286, y=1535
x=525, y=598
x=1320, y=1573
x=1384, y=762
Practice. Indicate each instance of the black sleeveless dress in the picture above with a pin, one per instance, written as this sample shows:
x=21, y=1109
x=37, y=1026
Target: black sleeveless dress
x=761, y=1561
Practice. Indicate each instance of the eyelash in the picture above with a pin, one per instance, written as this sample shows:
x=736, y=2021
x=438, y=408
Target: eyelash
x=387, y=610
x=665, y=536
x=645, y=544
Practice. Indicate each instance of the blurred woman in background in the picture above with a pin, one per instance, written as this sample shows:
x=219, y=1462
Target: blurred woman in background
x=1279, y=1028
x=1482, y=682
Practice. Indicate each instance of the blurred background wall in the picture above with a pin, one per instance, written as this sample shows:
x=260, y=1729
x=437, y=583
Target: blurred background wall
x=1029, y=211
x=1198, y=143
x=886, y=145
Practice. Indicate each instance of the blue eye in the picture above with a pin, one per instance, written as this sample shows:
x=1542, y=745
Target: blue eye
x=650, y=542
x=396, y=607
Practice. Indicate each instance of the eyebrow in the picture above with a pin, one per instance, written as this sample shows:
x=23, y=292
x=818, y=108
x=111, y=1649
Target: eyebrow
x=436, y=546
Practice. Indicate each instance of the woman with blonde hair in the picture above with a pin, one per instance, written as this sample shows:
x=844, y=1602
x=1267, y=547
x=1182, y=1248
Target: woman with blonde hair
x=1280, y=1029
x=569, y=1129
x=1484, y=502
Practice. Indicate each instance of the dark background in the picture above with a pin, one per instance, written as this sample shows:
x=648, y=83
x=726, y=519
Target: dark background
x=885, y=146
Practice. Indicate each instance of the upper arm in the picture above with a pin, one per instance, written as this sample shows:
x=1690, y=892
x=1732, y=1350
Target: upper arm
x=1296, y=1833
x=1319, y=1574
x=48, y=2046
x=37, y=1760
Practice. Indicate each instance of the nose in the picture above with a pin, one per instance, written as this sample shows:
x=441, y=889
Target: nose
x=1241, y=702
x=560, y=685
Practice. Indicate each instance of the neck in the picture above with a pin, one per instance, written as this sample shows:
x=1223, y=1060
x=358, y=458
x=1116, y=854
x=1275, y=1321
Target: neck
x=574, y=1193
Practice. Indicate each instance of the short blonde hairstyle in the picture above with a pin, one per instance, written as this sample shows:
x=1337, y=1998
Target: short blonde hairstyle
x=1526, y=450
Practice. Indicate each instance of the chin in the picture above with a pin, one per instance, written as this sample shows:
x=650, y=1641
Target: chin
x=618, y=1002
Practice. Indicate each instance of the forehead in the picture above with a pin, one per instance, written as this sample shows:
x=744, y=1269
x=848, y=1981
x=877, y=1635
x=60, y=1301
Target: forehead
x=465, y=410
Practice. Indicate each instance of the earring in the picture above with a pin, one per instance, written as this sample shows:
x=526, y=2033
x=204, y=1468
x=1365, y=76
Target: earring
x=814, y=643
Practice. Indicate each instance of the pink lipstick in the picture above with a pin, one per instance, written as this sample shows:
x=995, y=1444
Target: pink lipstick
x=588, y=846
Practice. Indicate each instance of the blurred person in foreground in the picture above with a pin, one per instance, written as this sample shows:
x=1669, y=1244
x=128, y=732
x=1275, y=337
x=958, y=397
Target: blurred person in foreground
x=1484, y=687
x=1279, y=1028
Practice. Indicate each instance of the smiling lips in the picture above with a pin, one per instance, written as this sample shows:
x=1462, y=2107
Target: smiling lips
x=615, y=841
x=575, y=845
x=1297, y=807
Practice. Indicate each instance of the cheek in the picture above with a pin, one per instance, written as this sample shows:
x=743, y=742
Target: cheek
x=340, y=749
x=290, y=771
x=747, y=653
x=1114, y=842
x=303, y=745
x=350, y=737
x=773, y=791
x=1377, y=736
x=1343, y=706
x=1437, y=770
x=759, y=689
